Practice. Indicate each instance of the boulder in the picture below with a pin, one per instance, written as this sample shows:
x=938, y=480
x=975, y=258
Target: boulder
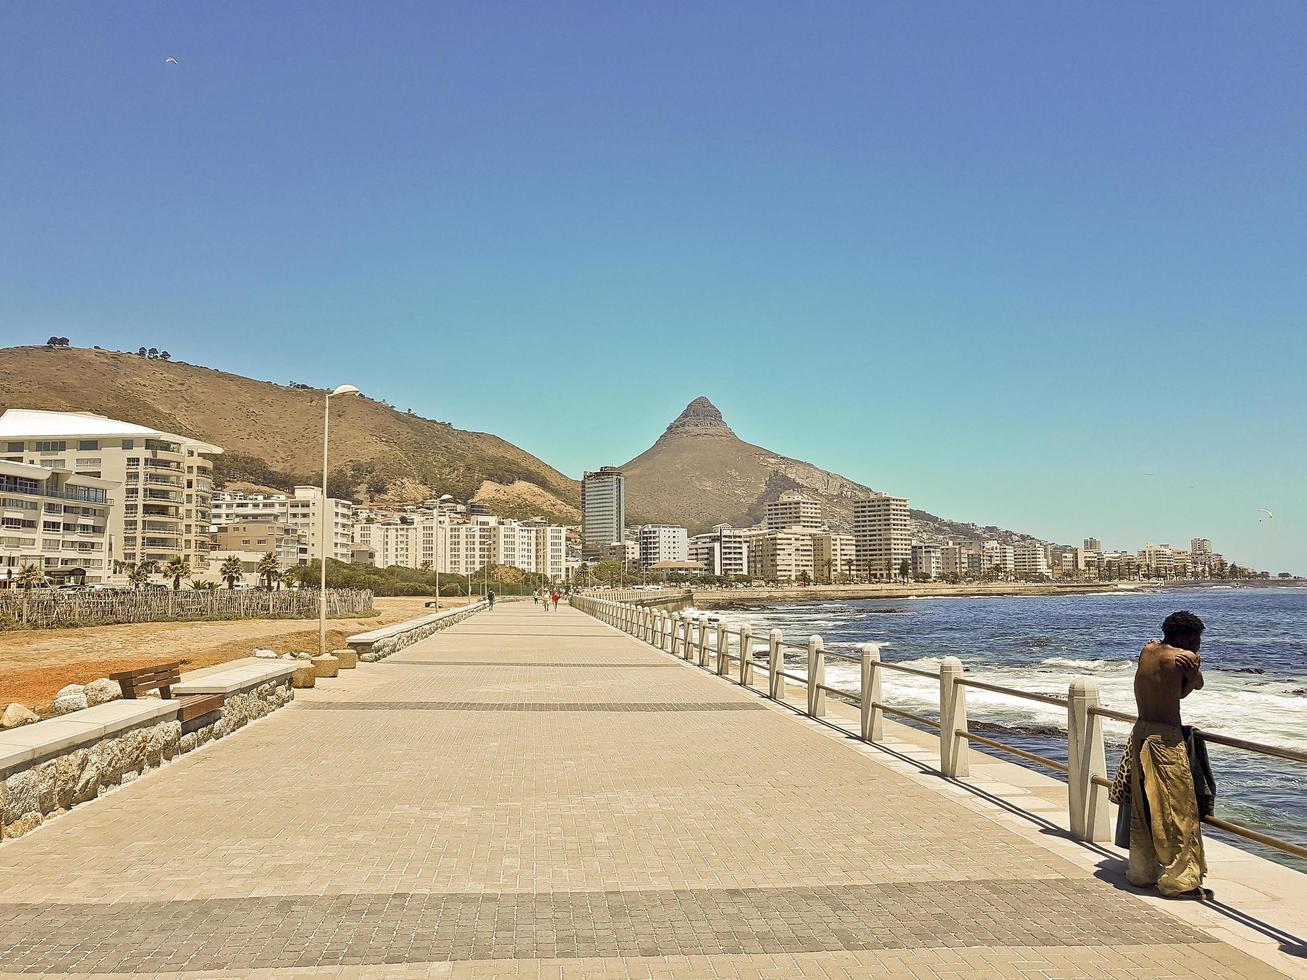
x=17, y=714
x=102, y=691
x=264, y=654
x=347, y=657
x=66, y=703
x=303, y=655
x=303, y=676
x=326, y=665
x=68, y=689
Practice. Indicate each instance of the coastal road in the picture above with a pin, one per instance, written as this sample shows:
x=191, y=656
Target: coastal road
x=535, y=794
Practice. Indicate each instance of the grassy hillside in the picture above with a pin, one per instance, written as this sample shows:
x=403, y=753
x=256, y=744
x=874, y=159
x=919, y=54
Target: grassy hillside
x=272, y=434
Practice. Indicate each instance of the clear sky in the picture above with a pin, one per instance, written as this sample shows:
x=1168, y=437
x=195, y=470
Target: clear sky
x=1040, y=265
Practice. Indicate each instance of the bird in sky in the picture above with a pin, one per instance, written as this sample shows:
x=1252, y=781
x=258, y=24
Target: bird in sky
x=170, y=60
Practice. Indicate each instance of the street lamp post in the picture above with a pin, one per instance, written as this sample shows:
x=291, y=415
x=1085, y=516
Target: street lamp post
x=323, y=517
x=435, y=563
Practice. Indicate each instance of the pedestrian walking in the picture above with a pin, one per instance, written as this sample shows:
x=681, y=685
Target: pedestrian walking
x=490, y=600
x=555, y=598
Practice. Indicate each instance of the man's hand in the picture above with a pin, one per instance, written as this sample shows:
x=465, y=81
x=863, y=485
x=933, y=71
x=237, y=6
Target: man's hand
x=1188, y=661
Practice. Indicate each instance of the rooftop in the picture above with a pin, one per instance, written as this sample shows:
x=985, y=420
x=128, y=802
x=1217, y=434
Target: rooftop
x=29, y=423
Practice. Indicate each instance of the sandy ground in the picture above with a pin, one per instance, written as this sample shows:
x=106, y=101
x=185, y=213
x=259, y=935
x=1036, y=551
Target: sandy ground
x=35, y=664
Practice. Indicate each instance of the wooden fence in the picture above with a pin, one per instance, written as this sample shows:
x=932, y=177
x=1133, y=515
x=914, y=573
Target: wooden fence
x=20, y=609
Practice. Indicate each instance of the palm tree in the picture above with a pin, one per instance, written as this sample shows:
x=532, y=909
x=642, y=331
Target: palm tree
x=200, y=585
x=28, y=576
x=268, y=568
x=138, y=575
x=179, y=566
x=231, y=570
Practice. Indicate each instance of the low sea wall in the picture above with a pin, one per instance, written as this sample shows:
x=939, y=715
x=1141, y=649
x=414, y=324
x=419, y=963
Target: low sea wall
x=48, y=767
x=380, y=643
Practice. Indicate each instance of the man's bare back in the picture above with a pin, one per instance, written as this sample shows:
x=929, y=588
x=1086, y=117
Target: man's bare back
x=1166, y=674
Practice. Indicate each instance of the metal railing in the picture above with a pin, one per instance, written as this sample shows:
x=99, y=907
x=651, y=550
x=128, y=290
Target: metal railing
x=687, y=637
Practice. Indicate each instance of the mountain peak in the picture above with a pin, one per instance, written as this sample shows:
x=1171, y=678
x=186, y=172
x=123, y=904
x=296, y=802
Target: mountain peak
x=700, y=417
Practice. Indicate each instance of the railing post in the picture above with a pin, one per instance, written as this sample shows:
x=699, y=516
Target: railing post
x=775, y=682
x=746, y=654
x=953, y=755
x=676, y=630
x=644, y=623
x=1086, y=759
x=702, y=651
x=723, y=648
x=816, y=677
x=872, y=727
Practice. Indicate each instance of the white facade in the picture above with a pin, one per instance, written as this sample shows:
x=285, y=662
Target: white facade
x=883, y=534
x=793, y=509
x=780, y=556
x=163, y=509
x=484, y=539
x=55, y=520
x=834, y=554
x=603, y=511
x=663, y=542
x=722, y=551
x=303, y=510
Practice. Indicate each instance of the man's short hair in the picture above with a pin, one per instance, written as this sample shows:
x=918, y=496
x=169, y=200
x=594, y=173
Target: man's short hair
x=1181, y=626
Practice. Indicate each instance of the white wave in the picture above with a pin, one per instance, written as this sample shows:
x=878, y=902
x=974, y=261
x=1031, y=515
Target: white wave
x=1074, y=664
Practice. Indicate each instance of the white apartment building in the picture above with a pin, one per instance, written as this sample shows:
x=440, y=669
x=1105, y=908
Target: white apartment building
x=834, y=553
x=998, y=557
x=1030, y=560
x=793, y=509
x=663, y=542
x=927, y=561
x=303, y=510
x=722, y=551
x=1163, y=561
x=780, y=556
x=551, y=550
x=484, y=539
x=882, y=531
x=1093, y=544
x=603, y=511
x=163, y=508
x=56, y=520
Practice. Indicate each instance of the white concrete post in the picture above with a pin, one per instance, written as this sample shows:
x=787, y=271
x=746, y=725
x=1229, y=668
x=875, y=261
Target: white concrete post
x=676, y=631
x=775, y=682
x=646, y=630
x=872, y=726
x=746, y=654
x=953, y=754
x=723, y=648
x=816, y=677
x=702, y=652
x=1086, y=759
x=687, y=626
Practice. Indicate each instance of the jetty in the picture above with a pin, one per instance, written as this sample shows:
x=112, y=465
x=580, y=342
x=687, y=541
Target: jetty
x=544, y=794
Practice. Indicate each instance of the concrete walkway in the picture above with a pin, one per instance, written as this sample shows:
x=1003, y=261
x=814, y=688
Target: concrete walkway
x=532, y=794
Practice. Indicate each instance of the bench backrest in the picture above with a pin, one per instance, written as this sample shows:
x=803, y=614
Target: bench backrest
x=155, y=677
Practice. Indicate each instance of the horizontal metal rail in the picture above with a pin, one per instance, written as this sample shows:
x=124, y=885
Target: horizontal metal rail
x=1114, y=715
x=1248, y=834
x=794, y=677
x=932, y=674
x=1293, y=755
x=840, y=691
x=1028, y=695
x=905, y=714
x=1043, y=760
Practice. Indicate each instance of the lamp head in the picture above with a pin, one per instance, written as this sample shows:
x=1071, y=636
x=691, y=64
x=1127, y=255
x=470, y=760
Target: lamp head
x=344, y=390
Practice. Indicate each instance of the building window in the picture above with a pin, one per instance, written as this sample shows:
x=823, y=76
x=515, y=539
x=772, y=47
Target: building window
x=129, y=443
x=46, y=446
x=88, y=444
x=15, y=447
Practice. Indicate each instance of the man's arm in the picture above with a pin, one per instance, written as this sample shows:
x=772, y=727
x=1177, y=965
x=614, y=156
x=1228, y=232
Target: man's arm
x=1191, y=674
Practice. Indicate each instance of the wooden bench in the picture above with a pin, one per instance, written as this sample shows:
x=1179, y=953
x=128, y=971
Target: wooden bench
x=161, y=678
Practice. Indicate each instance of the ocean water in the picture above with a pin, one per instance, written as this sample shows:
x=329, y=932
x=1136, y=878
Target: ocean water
x=1254, y=664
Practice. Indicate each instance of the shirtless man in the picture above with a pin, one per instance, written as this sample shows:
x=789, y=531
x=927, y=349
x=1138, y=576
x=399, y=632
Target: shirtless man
x=1166, y=842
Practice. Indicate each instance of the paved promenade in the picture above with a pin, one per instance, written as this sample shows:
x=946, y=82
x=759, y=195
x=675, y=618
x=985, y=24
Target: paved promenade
x=532, y=794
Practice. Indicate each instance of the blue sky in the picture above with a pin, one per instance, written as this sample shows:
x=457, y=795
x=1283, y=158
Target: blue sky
x=1005, y=259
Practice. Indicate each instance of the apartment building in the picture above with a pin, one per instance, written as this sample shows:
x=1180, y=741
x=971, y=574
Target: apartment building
x=1093, y=544
x=164, y=507
x=995, y=556
x=56, y=520
x=1030, y=560
x=953, y=560
x=662, y=543
x=780, y=556
x=261, y=536
x=792, y=509
x=834, y=553
x=302, y=510
x=485, y=539
x=551, y=550
x=722, y=551
x=882, y=532
x=927, y=561
x=603, y=511
x=1163, y=561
